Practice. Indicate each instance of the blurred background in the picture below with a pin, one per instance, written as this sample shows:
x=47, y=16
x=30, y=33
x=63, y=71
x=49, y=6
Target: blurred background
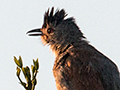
x=99, y=20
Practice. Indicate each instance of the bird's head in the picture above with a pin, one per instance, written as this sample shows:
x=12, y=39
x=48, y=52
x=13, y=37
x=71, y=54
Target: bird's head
x=57, y=31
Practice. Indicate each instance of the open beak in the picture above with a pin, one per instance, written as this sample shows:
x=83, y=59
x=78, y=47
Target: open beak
x=35, y=32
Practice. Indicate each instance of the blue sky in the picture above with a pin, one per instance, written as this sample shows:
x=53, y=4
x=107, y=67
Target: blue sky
x=99, y=20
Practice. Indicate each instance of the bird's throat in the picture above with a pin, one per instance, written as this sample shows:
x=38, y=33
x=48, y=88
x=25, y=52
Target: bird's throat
x=58, y=49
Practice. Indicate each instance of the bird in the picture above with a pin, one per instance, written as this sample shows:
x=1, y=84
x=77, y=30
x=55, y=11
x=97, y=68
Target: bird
x=78, y=65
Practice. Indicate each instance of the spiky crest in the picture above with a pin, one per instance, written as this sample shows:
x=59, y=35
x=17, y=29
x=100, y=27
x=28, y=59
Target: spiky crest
x=56, y=18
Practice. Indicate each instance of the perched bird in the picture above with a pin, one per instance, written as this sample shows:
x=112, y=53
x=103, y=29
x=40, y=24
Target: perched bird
x=78, y=65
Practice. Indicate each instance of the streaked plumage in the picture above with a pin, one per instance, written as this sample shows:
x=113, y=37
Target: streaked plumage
x=78, y=65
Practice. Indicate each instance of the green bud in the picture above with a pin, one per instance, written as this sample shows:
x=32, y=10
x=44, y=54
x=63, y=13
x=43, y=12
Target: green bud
x=36, y=64
x=33, y=69
x=28, y=72
x=18, y=71
x=20, y=61
x=24, y=72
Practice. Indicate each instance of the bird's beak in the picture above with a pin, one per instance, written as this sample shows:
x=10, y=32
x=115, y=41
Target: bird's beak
x=35, y=32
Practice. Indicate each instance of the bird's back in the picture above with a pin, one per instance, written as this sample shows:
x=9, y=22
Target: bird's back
x=82, y=67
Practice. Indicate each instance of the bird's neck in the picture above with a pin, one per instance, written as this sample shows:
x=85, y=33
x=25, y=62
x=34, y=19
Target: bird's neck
x=58, y=49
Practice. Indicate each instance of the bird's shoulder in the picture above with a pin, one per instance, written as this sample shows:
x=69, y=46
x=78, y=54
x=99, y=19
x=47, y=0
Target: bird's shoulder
x=72, y=66
x=86, y=63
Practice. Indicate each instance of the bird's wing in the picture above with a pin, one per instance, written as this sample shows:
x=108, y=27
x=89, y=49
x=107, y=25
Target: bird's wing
x=109, y=73
x=72, y=74
x=85, y=69
x=100, y=68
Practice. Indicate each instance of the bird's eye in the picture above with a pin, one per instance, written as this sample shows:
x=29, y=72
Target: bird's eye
x=50, y=30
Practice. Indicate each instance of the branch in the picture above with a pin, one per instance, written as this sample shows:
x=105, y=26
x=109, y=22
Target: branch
x=31, y=82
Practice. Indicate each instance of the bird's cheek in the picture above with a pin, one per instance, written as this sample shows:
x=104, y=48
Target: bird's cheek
x=44, y=39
